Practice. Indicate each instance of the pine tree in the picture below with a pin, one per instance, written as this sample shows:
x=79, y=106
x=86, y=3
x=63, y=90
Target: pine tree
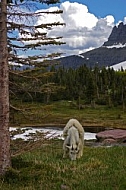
x=34, y=38
x=4, y=92
x=18, y=22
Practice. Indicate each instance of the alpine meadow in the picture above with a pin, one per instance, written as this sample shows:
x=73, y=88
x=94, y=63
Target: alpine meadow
x=37, y=90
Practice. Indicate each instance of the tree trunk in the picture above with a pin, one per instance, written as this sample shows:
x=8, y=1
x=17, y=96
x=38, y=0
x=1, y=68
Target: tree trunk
x=4, y=92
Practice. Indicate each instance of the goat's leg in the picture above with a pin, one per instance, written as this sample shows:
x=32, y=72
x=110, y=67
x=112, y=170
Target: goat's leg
x=80, y=154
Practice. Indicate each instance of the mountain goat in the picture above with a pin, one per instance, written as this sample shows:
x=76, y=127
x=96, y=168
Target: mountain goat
x=73, y=134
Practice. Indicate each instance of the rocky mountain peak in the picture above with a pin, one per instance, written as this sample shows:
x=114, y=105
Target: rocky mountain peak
x=111, y=53
x=117, y=36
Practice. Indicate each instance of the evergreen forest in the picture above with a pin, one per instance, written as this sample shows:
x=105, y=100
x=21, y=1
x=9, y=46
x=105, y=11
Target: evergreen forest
x=83, y=85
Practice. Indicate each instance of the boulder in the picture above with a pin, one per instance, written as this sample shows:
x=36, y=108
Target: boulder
x=112, y=136
x=108, y=142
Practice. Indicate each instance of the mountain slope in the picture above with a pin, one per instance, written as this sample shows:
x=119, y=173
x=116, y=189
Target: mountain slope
x=112, y=52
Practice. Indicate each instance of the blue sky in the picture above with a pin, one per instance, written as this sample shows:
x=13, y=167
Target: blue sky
x=88, y=23
x=102, y=8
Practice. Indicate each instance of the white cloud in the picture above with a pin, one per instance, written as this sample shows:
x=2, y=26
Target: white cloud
x=83, y=30
x=77, y=15
x=110, y=20
x=124, y=20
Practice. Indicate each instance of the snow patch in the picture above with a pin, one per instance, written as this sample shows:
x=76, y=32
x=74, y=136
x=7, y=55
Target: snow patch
x=119, y=66
x=26, y=133
x=81, y=56
x=116, y=46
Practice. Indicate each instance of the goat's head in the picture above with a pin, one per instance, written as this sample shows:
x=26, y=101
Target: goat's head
x=73, y=151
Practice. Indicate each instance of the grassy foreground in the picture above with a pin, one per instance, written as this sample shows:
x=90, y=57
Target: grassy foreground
x=100, y=168
x=43, y=168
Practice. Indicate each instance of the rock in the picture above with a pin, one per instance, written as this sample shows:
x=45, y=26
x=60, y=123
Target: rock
x=106, y=55
x=117, y=36
x=109, y=141
x=115, y=135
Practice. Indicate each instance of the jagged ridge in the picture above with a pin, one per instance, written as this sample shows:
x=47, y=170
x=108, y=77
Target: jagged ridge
x=112, y=52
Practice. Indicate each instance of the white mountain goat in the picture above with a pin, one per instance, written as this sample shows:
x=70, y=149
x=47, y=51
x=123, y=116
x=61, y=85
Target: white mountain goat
x=73, y=134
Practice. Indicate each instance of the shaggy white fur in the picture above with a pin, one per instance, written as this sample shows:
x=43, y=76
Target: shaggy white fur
x=73, y=134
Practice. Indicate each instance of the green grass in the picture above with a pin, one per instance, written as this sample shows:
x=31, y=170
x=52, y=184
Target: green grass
x=100, y=168
x=59, y=112
x=43, y=168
